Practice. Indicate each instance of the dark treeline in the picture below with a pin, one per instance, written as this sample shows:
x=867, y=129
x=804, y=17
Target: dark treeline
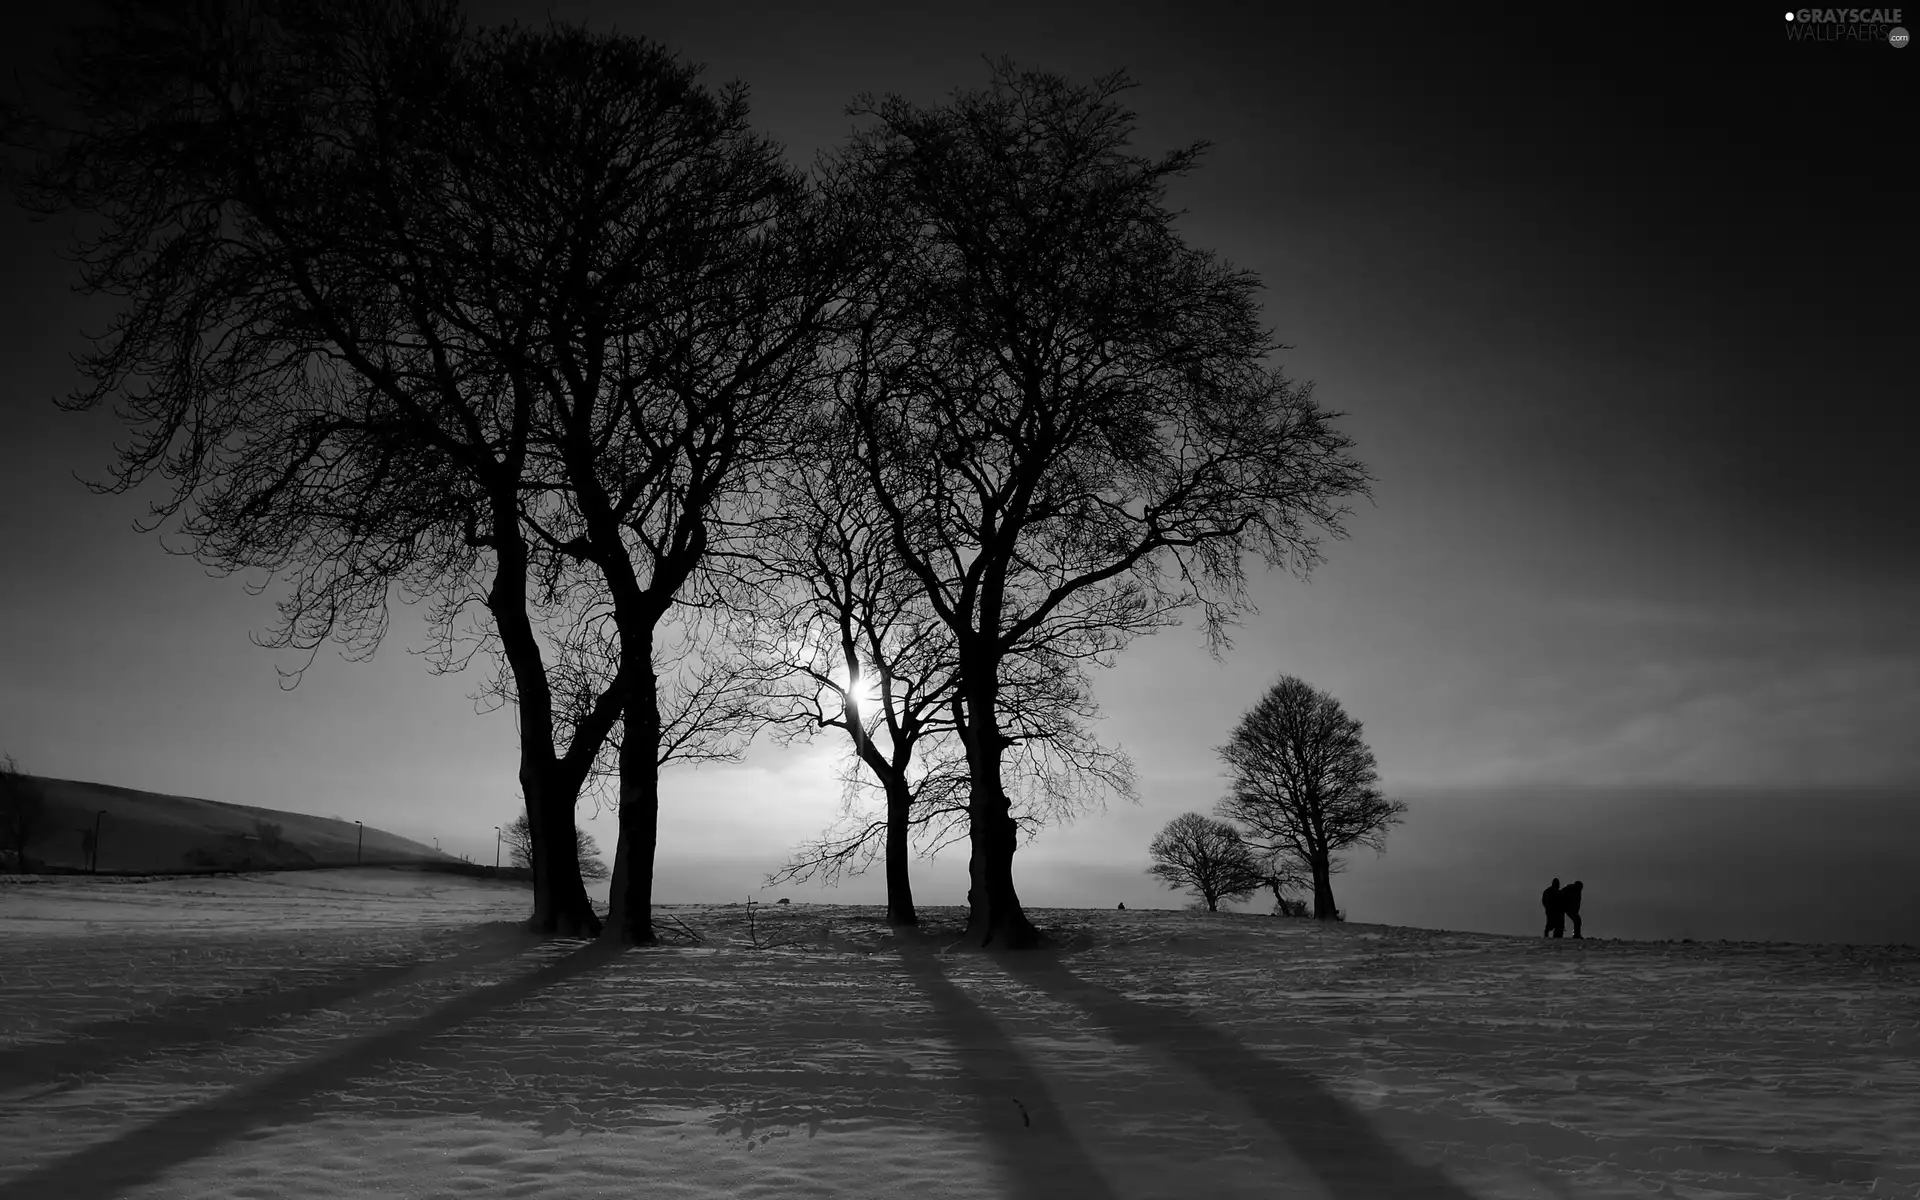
x=533, y=324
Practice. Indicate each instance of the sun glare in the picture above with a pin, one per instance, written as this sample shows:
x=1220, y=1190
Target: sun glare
x=866, y=691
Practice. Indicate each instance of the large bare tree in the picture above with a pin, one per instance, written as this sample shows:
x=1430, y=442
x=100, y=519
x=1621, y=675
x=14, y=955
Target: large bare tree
x=312, y=345
x=684, y=280
x=1208, y=858
x=841, y=644
x=1066, y=414
x=1305, y=784
x=476, y=313
x=850, y=643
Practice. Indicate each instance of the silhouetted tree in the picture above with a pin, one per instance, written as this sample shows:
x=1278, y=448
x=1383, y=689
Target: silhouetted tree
x=1283, y=875
x=489, y=315
x=851, y=644
x=592, y=866
x=22, y=811
x=841, y=643
x=319, y=343
x=1207, y=857
x=518, y=836
x=1305, y=784
x=1064, y=413
x=685, y=281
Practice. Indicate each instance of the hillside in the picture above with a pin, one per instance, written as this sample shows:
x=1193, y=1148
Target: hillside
x=148, y=832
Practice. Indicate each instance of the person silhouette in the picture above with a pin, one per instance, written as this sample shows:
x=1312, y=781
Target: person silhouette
x=1123, y=906
x=1570, y=903
x=1556, y=916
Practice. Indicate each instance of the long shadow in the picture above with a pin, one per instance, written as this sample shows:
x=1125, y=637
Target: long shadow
x=106, y=1170
x=1043, y=1159
x=201, y=1020
x=1334, y=1141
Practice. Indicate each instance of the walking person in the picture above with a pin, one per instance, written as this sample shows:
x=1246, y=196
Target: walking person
x=1570, y=903
x=1556, y=915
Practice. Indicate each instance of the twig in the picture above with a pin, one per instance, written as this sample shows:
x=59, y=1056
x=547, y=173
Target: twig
x=683, y=928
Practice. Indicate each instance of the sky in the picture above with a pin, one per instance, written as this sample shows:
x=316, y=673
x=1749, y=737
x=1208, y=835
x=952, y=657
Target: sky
x=1621, y=314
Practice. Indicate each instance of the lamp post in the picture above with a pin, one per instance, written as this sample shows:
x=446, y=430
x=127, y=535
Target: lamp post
x=94, y=869
x=496, y=847
x=360, y=839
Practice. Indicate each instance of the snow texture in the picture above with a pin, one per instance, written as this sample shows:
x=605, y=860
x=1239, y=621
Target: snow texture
x=379, y=1033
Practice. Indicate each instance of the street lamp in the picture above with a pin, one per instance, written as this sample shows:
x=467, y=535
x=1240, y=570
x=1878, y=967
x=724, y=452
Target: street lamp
x=95, y=868
x=496, y=847
x=359, y=840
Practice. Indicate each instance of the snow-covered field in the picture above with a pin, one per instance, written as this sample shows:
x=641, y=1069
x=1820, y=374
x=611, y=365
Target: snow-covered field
x=379, y=1033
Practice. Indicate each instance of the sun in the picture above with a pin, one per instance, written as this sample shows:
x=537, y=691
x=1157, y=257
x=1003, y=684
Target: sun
x=865, y=690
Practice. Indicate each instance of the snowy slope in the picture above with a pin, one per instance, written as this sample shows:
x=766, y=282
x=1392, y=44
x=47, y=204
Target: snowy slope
x=150, y=831
x=394, y=1035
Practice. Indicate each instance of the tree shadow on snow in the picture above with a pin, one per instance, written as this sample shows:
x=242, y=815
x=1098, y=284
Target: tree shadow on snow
x=105, y=1170
x=1030, y=1137
x=1328, y=1135
x=188, y=1021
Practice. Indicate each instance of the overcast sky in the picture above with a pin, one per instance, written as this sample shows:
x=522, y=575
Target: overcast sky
x=1622, y=318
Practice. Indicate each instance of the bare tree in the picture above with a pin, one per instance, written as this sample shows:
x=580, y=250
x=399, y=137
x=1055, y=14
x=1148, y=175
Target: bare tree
x=681, y=294
x=592, y=866
x=842, y=645
x=1065, y=413
x=847, y=642
x=518, y=836
x=1305, y=784
x=22, y=811
x=1284, y=878
x=481, y=314
x=1208, y=858
x=681, y=288
x=852, y=645
x=318, y=342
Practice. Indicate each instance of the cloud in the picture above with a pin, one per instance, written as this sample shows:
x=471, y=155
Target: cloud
x=1640, y=691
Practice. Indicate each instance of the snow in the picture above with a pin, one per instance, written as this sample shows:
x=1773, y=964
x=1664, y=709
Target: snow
x=378, y=1033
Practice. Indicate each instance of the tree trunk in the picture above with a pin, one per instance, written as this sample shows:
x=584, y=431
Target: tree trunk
x=560, y=904
x=892, y=774
x=995, y=919
x=899, y=883
x=630, y=915
x=1213, y=902
x=561, y=907
x=1323, y=909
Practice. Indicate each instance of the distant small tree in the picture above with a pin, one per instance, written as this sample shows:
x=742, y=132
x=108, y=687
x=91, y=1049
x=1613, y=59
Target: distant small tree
x=1208, y=857
x=592, y=866
x=1305, y=785
x=518, y=836
x=21, y=811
